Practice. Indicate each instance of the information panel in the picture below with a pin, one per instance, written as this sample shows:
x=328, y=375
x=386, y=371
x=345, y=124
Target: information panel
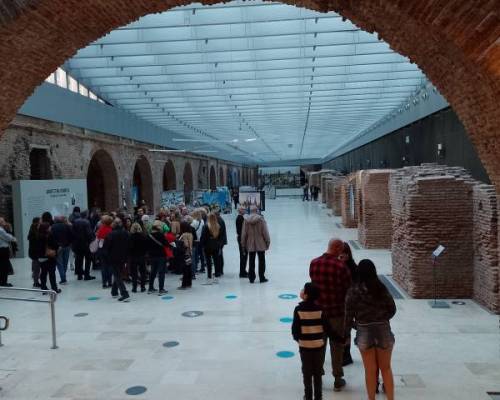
x=32, y=198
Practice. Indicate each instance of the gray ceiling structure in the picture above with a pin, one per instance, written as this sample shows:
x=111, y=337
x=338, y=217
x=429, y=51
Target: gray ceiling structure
x=264, y=81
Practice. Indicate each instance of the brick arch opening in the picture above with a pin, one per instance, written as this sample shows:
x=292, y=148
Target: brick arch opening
x=456, y=46
x=213, y=178
x=221, y=177
x=169, y=176
x=142, y=182
x=102, y=182
x=188, y=182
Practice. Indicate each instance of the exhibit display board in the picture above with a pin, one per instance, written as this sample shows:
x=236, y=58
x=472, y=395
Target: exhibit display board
x=32, y=198
x=171, y=198
x=254, y=198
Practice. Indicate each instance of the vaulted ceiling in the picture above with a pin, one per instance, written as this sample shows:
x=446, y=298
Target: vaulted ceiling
x=261, y=81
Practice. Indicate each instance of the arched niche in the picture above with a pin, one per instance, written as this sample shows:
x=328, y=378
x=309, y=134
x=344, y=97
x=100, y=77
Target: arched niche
x=142, y=183
x=213, y=178
x=102, y=182
x=188, y=182
x=169, y=176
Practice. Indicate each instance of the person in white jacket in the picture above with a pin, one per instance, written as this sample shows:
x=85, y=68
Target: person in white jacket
x=198, y=254
x=5, y=242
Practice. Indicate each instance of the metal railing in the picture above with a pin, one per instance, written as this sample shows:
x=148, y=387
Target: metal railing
x=50, y=299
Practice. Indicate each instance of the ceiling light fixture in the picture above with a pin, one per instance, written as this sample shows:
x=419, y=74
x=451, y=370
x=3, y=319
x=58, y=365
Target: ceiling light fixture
x=166, y=151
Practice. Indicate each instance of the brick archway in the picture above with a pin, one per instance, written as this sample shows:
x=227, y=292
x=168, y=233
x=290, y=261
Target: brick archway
x=213, y=178
x=169, y=176
x=143, y=182
x=456, y=45
x=102, y=182
x=188, y=182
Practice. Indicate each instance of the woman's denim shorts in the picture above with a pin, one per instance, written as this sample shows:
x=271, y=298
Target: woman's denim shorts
x=376, y=334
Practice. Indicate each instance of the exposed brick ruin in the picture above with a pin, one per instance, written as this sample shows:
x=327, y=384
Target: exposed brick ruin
x=455, y=46
x=432, y=205
x=349, y=195
x=485, y=230
x=334, y=194
x=75, y=152
x=375, y=220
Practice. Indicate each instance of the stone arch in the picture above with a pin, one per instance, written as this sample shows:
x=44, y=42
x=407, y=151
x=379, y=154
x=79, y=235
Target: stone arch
x=142, y=181
x=456, y=48
x=221, y=177
x=213, y=178
x=169, y=176
x=102, y=182
x=40, y=164
x=187, y=182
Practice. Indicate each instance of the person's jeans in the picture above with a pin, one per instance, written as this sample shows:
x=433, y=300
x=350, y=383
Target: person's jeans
x=79, y=257
x=4, y=265
x=335, y=335
x=35, y=271
x=312, y=372
x=251, y=265
x=198, y=255
x=62, y=262
x=138, y=267
x=158, y=267
x=243, y=259
x=213, y=257
x=106, y=270
x=118, y=284
x=48, y=268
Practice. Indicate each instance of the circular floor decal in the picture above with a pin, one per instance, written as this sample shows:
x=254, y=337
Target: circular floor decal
x=286, y=320
x=81, y=314
x=167, y=297
x=231, y=296
x=287, y=296
x=136, y=390
x=192, y=314
x=285, y=354
x=171, y=344
x=93, y=298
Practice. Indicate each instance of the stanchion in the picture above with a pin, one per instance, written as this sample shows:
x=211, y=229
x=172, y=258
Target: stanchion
x=437, y=303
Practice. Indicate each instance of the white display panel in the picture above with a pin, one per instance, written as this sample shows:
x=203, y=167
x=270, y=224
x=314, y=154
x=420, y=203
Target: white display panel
x=32, y=198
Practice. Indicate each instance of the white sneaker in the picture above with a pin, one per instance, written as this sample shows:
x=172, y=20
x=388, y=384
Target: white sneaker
x=208, y=281
x=215, y=280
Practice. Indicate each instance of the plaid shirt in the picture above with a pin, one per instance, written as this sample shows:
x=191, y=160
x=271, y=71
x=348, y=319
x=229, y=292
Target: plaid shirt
x=333, y=279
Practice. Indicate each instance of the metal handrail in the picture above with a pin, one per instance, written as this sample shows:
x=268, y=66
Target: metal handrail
x=51, y=299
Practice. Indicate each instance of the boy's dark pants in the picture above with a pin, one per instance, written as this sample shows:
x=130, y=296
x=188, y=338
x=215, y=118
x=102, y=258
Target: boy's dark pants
x=312, y=372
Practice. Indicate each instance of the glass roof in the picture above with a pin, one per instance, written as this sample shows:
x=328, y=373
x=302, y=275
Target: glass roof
x=263, y=81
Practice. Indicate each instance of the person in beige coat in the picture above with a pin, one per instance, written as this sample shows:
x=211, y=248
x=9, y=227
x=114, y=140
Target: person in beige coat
x=255, y=240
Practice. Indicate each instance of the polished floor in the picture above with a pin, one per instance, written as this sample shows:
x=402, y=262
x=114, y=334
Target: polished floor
x=229, y=352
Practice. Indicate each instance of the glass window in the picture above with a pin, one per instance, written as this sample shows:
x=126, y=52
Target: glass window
x=83, y=90
x=51, y=78
x=61, y=78
x=92, y=95
x=72, y=84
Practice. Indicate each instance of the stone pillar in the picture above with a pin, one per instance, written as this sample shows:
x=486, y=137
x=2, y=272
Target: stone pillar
x=350, y=200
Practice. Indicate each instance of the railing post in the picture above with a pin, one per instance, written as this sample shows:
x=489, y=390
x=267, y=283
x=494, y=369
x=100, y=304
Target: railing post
x=53, y=320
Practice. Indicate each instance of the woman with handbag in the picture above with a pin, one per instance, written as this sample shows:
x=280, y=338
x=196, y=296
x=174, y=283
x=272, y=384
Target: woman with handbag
x=158, y=257
x=47, y=257
x=186, y=239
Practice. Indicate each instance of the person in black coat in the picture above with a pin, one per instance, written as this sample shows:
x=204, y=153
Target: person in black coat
x=63, y=235
x=82, y=237
x=223, y=233
x=35, y=265
x=212, y=241
x=243, y=253
x=347, y=257
x=137, y=263
x=116, y=249
x=46, y=251
x=158, y=257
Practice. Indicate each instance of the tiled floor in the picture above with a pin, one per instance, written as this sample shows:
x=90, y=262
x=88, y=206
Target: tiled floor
x=229, y=351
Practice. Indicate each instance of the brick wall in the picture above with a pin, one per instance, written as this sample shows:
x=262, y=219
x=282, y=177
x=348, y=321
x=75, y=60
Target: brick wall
x=71, y=150
x=432, y=205
x=375, y=220
x=485, y=229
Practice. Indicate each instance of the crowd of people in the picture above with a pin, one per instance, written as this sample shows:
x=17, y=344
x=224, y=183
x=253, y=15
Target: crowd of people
x=141, y=249
x=343, y=295
x=137, y=248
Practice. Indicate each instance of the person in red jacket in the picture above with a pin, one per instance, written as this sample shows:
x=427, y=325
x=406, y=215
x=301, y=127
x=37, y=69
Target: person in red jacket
x=103, y=231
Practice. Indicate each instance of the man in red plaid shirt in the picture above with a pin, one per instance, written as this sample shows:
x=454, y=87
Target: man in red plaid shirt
x=333, y=278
